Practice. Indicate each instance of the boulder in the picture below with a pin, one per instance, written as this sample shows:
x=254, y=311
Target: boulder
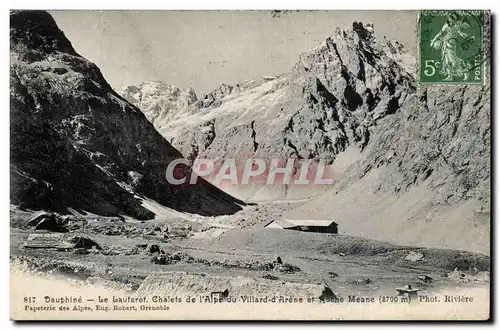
x=278, y=260
x=332, y=275
x=425, y=278
x=287, y=268
x=154, y=248
x=39, y=217
x=82, y=242
x=177, y=256
x=270, y=277
x=51, y=224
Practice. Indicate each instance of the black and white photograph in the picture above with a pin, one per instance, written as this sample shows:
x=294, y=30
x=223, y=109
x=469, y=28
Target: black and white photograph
x=250, y=164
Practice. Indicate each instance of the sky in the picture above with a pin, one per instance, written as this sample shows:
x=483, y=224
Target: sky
x=203, y=49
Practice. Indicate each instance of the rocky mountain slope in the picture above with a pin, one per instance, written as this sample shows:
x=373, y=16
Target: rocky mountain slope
x=334, y=94
x=159, y=101
x=330, y=101
x=425, y=177
x=411, y=162
x=76, y=144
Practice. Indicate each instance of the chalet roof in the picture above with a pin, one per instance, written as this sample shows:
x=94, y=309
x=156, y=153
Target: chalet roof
x=308, y=222
x=291, y=223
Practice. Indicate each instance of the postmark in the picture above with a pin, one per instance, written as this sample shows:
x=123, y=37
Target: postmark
x=451, y=47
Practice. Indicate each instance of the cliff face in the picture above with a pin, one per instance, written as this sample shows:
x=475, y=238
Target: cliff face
x=441, y=138
x=75, y=143
x=329, y=101
x=412, y=162
x=159, y=101
x=424, y=178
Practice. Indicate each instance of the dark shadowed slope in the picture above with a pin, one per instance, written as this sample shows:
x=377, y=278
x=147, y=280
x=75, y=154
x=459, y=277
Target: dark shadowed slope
x=76, y=143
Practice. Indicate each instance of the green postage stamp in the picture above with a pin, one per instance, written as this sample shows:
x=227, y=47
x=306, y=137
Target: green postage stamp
x=451, y=46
